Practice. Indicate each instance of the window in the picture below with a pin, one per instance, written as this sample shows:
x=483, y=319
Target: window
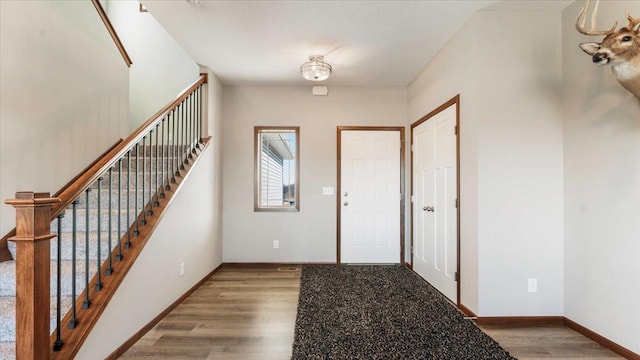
x=277, y=168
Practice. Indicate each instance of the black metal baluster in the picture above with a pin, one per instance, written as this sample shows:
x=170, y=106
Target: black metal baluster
x=165, y=124
x=171, y=140
x=144, y=169
x=189, y=126
x=86, y=303
x=119, y=255
x=136, y=230
x=193, y=122
x=183, y=138
x=169, y=174
x=191, y=148
x=155, y=188
x=199, y=130
x=127, y=244
x=109, y=269
x=98, y=285
x=187, y=139
x=182, y=135
x=187, y=120
x=150, y=211
x=57, y=345
x=201, y=120
x=176, y=142
x=74, y=319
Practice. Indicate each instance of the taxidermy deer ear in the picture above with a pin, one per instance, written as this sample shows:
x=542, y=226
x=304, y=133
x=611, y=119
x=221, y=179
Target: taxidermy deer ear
x=590, y=48
x=637, y=28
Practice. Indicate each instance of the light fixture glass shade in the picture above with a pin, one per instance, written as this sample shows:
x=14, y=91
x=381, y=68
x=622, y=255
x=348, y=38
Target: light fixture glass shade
x=315, y=69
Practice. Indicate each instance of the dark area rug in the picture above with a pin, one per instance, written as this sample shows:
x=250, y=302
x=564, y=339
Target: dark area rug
x=381, y=312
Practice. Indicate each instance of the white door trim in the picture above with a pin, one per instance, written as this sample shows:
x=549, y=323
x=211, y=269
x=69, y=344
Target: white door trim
x=401, y=203
x=453, y=101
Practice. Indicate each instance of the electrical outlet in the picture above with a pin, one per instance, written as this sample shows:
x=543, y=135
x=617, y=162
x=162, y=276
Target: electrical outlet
x=276, y=244
x=181, y=269
x=532, y=285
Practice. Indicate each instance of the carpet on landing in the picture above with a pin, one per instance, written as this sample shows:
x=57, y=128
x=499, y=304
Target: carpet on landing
x=381, y=312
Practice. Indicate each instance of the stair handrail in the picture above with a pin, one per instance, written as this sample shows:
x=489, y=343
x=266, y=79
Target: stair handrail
x=112, y=32
x=35, y=274
x=4, y=251
x=84, y=181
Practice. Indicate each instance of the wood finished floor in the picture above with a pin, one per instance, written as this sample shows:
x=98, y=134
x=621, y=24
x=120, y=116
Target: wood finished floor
x=246, y=313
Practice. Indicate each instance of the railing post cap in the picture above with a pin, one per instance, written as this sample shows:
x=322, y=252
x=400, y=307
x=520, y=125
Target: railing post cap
x=25, y=198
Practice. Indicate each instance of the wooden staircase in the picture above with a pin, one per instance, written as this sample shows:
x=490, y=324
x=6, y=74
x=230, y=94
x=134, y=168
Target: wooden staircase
x=103, y=220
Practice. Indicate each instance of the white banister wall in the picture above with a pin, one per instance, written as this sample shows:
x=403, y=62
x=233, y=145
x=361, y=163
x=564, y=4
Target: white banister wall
x=190, y=233
x=161, y=68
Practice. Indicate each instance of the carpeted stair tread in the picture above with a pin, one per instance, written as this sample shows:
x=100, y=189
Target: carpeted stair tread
x=7, y=350
x=123, y=192
x=104, y=199
x=67, y=223
x=8, y=282
x=8, y=315
x=66, y=250
x=8, y=278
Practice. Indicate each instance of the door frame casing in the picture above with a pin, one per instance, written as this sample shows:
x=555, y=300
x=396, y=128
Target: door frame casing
x=401, y=130
x=453, y=101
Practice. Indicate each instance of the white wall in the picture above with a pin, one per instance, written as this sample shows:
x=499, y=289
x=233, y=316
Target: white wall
x=213, y=128
x=189, y=232
x=63, y=95
x=602, y=188
x=161, y=68
x=308, y=235
x=453, y=71
x=511, y=157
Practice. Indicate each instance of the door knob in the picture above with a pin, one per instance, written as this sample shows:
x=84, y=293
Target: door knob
x=431, y=208
x=425, y=208
x=346, y=203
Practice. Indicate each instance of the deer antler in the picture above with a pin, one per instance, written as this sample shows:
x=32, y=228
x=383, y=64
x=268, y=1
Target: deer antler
x=582, y=19
x=633, y=22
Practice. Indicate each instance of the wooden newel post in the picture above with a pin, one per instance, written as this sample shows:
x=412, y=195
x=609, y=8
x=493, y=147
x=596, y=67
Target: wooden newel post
x=33, y=221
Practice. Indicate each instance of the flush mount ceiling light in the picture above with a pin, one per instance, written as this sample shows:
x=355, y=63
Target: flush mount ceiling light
x=315, y=69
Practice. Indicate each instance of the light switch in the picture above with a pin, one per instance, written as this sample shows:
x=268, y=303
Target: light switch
x=327, y=190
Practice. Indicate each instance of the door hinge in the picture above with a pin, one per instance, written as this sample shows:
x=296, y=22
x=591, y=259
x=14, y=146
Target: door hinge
x=456, y=203
x=413, y=198
x=455, y=130
x=411, y=147
x=457, y=276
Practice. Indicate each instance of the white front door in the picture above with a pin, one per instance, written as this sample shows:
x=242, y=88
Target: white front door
x=435, y=223
x=370, y=196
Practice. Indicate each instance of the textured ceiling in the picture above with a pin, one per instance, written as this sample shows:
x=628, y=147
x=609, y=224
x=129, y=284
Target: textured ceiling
x=368, y=43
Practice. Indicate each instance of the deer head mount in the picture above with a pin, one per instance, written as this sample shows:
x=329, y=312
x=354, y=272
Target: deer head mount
x=620, y=48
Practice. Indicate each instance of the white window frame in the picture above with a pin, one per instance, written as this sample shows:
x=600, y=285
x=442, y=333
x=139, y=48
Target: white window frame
x=268, y=161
